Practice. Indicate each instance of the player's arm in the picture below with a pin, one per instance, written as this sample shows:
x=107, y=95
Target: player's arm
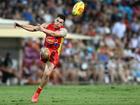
x=61, y=33
x=28, y=27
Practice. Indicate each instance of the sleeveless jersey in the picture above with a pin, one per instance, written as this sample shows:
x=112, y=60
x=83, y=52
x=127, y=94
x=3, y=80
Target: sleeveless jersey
x=52, y=42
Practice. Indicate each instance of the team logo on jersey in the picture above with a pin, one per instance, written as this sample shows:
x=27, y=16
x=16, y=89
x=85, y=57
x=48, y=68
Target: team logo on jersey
x=50, y=40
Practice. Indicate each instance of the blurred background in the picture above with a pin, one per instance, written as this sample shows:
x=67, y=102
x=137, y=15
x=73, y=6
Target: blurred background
x=103, y=45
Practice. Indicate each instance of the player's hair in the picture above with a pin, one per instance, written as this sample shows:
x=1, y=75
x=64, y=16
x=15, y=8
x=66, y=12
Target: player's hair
x=61, y=16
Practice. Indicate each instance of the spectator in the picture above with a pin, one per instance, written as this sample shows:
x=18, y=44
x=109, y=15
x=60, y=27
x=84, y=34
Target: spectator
x=8, y=70
x=119, y=29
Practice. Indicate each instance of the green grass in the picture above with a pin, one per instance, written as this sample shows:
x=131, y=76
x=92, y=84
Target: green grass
x=72, y=95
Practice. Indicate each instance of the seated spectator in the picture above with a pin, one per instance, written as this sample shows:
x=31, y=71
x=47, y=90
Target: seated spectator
x=8, y=71
x=31, y=74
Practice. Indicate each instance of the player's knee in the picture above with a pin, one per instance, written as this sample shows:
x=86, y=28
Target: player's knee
x=45, y=56
x=45, y=53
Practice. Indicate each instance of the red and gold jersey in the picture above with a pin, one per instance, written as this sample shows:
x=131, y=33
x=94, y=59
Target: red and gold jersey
x=53, y=42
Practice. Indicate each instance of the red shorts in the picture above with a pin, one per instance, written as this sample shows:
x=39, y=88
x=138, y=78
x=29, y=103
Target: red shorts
x=53, y=57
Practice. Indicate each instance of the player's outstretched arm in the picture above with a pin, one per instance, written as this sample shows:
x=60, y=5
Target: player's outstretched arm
x=28, y=27
x=61, y=33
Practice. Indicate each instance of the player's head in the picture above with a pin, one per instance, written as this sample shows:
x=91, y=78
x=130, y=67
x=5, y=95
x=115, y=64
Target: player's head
x=59, y=21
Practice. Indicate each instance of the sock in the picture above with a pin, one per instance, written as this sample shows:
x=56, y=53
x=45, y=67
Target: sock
x=39, y=90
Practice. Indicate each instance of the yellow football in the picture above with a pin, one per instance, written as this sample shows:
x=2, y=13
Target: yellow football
x=78, y=8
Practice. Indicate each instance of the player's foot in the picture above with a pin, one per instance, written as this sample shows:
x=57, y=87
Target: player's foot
x=35, y=97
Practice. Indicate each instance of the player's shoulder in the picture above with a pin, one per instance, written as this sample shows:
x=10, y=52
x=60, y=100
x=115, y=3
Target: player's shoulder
x=63, y=31
x=63, y=28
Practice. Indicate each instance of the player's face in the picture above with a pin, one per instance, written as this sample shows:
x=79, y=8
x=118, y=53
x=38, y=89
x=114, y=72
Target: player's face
x=59, y=22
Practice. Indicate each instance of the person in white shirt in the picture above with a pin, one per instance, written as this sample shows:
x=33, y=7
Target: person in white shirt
x=119, y=29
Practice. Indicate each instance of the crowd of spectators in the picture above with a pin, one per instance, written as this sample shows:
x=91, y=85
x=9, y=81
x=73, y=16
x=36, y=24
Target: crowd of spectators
x=99, y=15
x=112, y=56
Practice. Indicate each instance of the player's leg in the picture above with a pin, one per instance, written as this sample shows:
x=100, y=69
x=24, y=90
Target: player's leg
x=53, y=58
x=45, y=78
x=45, y=54
x=46, y=75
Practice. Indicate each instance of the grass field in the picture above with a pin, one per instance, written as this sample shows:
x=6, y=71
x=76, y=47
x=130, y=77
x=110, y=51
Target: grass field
x=72, y=95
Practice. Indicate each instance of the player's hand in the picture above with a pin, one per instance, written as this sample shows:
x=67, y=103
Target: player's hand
x=17, y=25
